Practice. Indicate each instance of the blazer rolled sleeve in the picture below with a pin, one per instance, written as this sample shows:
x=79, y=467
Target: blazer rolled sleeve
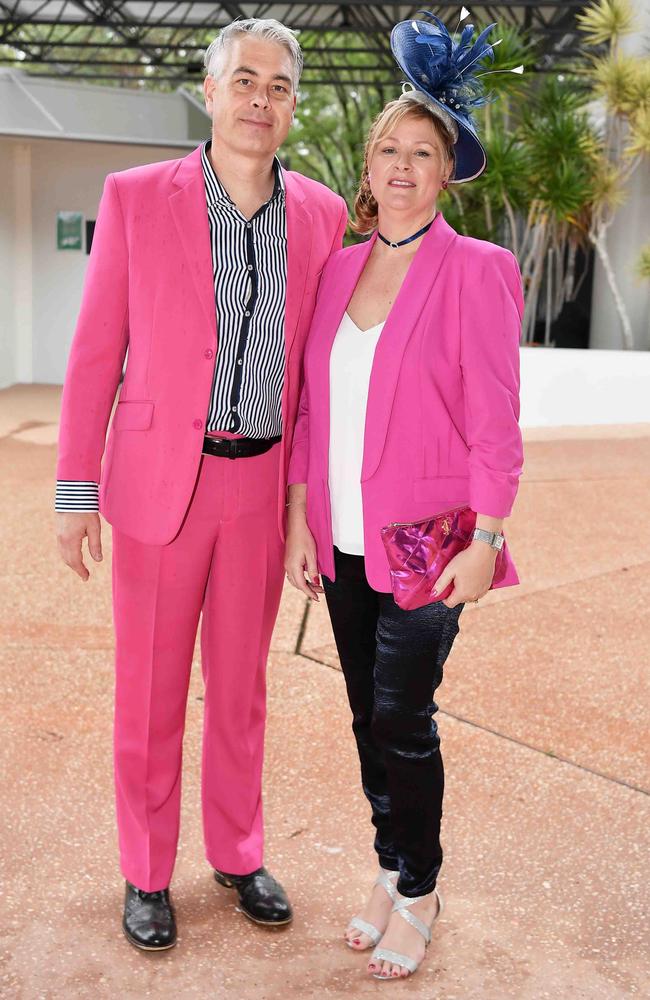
x=98, y=347
x=491, y=308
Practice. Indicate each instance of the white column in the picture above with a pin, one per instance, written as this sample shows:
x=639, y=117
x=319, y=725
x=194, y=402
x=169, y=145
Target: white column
x=23, y=263
x=625, y=238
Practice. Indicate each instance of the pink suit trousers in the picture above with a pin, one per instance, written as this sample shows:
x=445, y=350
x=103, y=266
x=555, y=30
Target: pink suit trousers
x=226, y=565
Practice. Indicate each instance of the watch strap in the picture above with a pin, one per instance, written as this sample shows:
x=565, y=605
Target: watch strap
x=493, y=538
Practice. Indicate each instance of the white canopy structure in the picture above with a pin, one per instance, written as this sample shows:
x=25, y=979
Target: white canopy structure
x=63, y=109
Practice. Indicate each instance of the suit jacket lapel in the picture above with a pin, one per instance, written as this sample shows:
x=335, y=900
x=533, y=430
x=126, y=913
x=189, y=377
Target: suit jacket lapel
x=416, y=289
x=189, y=211
x=299, y=243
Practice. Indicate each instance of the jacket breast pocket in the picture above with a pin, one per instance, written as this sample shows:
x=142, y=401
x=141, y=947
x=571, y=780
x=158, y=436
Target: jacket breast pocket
x=133, y=415
x=454, y=488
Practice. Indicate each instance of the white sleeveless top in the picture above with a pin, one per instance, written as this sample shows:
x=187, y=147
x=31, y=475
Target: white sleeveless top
x=350, y=366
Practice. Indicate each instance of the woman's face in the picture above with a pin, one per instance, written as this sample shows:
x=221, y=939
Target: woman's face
x=407, y=167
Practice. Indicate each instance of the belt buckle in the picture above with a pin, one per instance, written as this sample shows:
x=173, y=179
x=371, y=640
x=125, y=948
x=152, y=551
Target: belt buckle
x=212, y=440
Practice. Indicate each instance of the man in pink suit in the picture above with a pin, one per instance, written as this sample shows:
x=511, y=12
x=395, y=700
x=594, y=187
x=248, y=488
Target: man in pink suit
x=206, y=269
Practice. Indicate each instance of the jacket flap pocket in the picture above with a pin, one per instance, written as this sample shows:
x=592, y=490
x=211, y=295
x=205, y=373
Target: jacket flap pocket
x=454, y=488
x=133, y=415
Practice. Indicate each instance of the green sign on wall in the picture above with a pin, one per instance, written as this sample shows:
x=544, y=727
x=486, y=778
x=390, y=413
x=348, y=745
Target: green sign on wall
x=68, y=230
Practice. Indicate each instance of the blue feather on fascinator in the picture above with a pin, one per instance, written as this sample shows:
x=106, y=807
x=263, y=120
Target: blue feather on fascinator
x=450, y=72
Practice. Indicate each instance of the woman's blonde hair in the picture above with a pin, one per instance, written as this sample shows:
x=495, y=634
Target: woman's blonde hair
x=365, y=206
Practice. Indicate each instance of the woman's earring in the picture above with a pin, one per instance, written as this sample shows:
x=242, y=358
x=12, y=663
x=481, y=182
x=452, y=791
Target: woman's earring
x=444, y=184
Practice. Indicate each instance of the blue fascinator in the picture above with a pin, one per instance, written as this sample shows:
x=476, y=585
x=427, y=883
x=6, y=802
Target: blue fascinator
x=443, y=72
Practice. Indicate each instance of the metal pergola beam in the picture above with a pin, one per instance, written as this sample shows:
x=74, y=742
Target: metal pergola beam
x=80, y=39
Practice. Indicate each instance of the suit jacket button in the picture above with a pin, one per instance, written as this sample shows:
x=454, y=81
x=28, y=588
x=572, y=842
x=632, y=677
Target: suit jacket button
x=209, y=353
x=197, y=425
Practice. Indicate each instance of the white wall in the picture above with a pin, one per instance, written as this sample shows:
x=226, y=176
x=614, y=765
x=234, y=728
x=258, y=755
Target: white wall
x=65, y=176
x=561, y=387
x=6, y=269
x=22, y=259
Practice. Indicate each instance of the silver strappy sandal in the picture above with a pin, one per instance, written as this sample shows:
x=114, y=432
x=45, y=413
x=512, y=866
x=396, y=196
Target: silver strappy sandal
x=394, y=957
x=385, y=880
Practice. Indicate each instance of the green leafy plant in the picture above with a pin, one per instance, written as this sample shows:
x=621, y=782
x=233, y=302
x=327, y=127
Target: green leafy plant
x=643, y=263
x=606, y=21
x=329, y=133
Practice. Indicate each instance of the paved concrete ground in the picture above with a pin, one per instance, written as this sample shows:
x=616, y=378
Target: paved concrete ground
x=544, y=726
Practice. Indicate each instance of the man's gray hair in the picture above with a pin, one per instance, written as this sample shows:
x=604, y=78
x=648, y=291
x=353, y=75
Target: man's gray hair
x=267, y=28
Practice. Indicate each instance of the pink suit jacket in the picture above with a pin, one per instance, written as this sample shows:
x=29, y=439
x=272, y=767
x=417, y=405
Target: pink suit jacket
x=441, y=424
x=149, y=288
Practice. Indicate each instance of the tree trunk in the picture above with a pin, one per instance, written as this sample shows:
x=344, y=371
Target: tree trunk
x=534, y=266
x=459, y=205
x=514, y=239
x=488, y=212
x=626, y=328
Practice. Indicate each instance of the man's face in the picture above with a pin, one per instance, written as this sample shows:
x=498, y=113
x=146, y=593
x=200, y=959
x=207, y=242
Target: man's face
x=252, y=101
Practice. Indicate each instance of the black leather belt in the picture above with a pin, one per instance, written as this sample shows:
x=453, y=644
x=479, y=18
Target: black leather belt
x=237, y=447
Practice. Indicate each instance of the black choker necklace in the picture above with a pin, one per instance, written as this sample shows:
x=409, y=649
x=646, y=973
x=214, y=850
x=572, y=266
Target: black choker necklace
x=409, y=239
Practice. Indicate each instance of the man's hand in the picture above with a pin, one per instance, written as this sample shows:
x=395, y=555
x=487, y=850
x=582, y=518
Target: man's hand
x=71, y=529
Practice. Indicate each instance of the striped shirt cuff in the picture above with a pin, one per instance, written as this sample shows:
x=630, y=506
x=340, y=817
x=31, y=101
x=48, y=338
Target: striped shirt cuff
x=74, y=495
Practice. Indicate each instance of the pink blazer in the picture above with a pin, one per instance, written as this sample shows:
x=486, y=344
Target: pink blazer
x=441, y=424
x=149, y=288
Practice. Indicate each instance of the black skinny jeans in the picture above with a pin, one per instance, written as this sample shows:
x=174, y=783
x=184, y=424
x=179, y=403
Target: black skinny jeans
x=392, y=662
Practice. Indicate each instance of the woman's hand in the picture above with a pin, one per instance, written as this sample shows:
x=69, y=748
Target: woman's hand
x=300, y=550
x=471, y=572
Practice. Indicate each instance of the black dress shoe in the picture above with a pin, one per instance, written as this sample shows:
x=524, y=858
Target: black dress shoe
x=149, y=919
x=261, y=898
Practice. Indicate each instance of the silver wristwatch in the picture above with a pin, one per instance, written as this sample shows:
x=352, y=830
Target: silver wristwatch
x=493, y=538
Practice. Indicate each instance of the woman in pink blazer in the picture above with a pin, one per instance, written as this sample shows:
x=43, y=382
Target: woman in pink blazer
x=410, y=407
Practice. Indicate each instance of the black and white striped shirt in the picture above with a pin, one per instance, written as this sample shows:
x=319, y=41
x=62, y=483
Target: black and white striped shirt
x=249, y=265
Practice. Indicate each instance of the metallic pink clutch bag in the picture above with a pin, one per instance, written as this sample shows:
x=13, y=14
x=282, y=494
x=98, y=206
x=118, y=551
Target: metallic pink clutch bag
x=418, y=552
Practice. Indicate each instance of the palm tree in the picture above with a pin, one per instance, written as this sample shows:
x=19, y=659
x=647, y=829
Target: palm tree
x=622, y=83
x=561, y=147
x=535, y=195
x=332, y=120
